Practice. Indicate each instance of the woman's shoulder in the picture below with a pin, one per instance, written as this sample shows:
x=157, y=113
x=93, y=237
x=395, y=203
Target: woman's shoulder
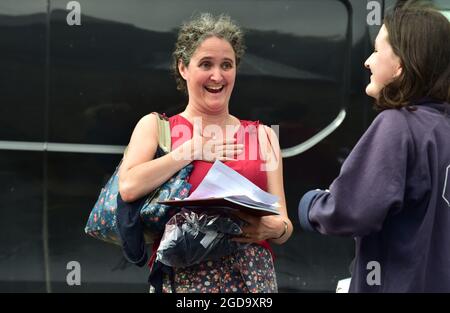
x=391, y=118
x=390, y=126
x=423, y=115
x=147, y=121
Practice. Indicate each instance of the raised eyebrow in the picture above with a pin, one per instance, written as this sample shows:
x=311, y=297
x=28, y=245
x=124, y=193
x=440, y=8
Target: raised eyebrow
x=229, y=60
x=205, y=59
x=211, y=58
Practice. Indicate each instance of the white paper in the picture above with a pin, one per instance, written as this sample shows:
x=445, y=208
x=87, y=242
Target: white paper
x=222, y=181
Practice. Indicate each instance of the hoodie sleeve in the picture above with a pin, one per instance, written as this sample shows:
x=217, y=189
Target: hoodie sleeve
x=371, y=182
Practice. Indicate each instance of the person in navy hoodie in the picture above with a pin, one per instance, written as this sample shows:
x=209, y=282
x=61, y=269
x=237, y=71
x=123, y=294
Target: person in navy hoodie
x=393, y=191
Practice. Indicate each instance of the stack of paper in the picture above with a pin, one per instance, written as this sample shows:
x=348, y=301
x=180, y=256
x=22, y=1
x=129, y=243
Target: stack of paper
x=223, y=187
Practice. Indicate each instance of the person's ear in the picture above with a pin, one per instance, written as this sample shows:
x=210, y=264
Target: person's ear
x=398, y=70
x=182, y=69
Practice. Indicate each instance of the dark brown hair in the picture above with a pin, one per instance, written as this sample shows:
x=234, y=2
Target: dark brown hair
x=420, y=37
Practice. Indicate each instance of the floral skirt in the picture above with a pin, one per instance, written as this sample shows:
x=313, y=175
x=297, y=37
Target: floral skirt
x=248, y=270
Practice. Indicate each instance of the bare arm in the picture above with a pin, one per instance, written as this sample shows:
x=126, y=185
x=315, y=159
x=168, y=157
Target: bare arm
x=275, y=184
x=269, y=227
x=140, y=173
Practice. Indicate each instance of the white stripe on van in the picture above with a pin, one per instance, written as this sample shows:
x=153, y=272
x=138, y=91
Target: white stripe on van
x=314, y=140
x=111, y=149
x=60, y=147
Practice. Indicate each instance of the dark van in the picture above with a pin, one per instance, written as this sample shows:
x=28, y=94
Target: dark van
x=76, y=76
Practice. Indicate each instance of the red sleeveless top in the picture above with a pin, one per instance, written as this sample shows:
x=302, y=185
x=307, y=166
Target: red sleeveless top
x=248, y=166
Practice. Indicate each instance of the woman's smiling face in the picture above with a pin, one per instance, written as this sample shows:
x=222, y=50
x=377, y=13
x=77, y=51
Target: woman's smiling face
x=384, y=65
x=210, y=74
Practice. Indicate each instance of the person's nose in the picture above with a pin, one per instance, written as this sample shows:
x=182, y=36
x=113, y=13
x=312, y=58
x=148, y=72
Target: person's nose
x=367, y=63
x=216, y=74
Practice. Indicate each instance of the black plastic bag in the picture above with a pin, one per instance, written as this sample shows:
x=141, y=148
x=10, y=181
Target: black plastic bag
x=192, y=237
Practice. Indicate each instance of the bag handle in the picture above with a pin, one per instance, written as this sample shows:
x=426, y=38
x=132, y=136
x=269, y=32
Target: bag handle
x=164, y=139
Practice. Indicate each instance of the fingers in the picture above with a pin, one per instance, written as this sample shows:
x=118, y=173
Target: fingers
x=245, y=237
x=251, y=231
x=248, y=218
x=231, y=141
x=225, y=159
x=248, y=237
x=221, y=150
x=229, y=150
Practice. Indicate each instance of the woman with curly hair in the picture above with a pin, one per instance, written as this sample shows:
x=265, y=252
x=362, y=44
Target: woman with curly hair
x=205, y=61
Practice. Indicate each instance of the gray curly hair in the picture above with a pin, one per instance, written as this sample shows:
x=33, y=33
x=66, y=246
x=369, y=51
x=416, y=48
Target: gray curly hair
x=194, y=32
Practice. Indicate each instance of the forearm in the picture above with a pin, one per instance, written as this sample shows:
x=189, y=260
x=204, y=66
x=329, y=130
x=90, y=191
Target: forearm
x=341, y=213
x=284, y=233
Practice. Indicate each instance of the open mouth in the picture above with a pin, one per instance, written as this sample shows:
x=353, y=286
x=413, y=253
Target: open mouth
x=214, y=89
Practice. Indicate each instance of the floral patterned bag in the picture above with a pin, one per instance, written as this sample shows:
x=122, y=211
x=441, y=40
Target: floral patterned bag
x=156, y=215
x=102, y=221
